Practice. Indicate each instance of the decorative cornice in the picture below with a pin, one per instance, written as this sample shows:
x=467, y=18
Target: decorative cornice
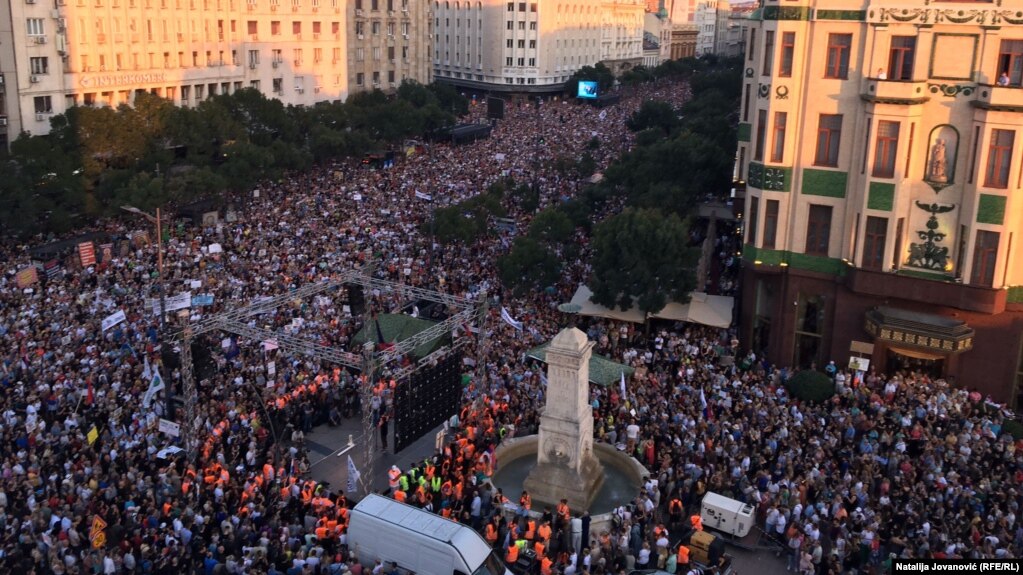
x=952, y=90
x=972, y=16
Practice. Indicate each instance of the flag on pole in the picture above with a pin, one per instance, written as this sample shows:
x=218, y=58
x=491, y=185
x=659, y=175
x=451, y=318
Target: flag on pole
x=155, y=385
x=353, y=476
x=147, y=372
x=508, y=319
x=622, y=383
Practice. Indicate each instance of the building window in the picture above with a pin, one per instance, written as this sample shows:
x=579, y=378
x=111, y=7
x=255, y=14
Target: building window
x=752, y=43
x=275, y=28
x=42, y=105
x=818, y=230
x=770, y=224
x=839, y=46
x=999, y=157
x=758, y=152
x=884, y=150
x=1010, y=61
x=985, y=254
x=873, y=243
x=788, y=51
x=900, y=58
x=751, y=222
x=34, y=26
x=39, y=65
x=511, y=6
x=778, y=149
x=360, y=79
x=768, y=52
x=829, y=135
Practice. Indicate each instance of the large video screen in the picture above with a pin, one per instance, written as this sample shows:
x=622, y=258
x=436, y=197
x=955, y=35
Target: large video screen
x=587, y=89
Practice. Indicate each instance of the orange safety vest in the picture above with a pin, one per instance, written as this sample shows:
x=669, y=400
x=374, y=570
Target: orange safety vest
x=491, y=534
x=675, y=507
x=399, y=496
x=513, y=554
x=530, y=529
x=545, y=566
x=697, y=522
x=544, y=532
x=563, y=511
x=683, y=555
x=525, y=502
x=538, y=547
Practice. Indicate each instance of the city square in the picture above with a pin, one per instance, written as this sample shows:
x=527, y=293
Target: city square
x=698, y=288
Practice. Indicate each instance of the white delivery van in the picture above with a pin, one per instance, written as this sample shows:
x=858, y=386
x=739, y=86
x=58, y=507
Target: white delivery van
x=727, y=515
x=417, y=541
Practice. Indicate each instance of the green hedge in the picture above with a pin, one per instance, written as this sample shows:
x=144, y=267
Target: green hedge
x=1013, y=428
x=812, y=386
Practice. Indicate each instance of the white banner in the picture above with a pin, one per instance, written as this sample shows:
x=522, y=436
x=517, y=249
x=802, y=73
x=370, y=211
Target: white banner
x=170, y=428
x=353, y=476
x=173, y=303
x=423, y=196
x=113, y=319
x=859, y=364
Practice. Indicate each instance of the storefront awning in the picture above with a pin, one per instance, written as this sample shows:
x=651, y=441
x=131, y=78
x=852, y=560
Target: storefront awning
x=902, y=328
x=704, y=309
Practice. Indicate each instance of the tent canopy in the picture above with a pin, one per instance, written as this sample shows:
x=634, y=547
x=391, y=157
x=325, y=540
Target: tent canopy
x=603, y=371
x=397, y=327
x=712, y=310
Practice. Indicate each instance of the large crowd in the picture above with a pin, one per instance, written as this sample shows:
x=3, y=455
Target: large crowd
x=894, y=466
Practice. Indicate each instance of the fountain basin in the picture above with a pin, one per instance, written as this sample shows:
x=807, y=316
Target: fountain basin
x=623, y=475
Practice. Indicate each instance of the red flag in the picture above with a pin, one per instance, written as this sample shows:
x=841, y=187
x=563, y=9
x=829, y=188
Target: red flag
x=89, y=398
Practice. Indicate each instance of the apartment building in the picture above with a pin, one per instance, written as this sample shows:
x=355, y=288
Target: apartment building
x=880, y=144
x=389, y=41
x=55, y=54
x=533, y=45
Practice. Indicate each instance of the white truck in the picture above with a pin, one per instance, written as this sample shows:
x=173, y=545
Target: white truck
x=727, y=515
x=417, y=541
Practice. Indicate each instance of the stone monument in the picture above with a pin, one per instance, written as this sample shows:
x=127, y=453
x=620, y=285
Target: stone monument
x=566, y=466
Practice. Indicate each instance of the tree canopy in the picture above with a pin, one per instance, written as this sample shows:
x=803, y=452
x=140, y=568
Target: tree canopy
x=154, y=153
x=642, y=256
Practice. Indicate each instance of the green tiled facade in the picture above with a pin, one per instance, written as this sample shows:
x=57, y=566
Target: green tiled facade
x=881, y=196
x=991, y=209
x=830, y=266
x=849, y=15
x=745, y=131
x=826, y=183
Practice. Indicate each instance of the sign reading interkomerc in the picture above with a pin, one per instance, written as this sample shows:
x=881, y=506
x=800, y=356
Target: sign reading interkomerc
x=103, y=80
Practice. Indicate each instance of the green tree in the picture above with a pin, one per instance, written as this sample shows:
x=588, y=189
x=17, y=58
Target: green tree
x=551, y=226
x=642, y=256
x=529, y=265
x=654, y=114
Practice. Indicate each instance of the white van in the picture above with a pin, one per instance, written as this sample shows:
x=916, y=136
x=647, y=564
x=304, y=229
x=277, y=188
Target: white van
x=727, y=515
x=418, y=541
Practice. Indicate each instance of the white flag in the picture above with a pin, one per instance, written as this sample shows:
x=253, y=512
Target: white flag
x=623, y=384
x=703, y=400
x=602, y=114
x=270, y=344
x=155, y=385
x=423, y=196
x=508, y=319
x=353, y=476
x=147, y=372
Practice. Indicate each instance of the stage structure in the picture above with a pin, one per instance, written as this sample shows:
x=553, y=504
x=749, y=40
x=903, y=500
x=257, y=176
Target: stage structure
x=417, y=410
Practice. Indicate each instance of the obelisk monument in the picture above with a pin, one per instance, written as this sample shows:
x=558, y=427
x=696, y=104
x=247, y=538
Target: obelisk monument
x=566, y=466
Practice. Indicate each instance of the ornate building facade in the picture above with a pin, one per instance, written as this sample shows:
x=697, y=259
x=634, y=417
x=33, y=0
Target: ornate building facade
x=880, y=144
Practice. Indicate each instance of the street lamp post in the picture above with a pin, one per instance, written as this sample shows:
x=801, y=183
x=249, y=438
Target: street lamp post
x=168, y=389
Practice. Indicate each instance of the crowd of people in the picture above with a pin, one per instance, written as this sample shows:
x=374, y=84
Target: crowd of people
x=893, y=466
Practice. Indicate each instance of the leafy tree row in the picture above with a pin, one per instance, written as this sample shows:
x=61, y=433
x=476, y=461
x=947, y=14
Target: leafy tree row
x=155, y=153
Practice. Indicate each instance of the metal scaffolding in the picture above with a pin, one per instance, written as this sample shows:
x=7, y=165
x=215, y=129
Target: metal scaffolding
x=370, y=361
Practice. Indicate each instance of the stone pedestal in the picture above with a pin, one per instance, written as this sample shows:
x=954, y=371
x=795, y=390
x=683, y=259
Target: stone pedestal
x=566, y=467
